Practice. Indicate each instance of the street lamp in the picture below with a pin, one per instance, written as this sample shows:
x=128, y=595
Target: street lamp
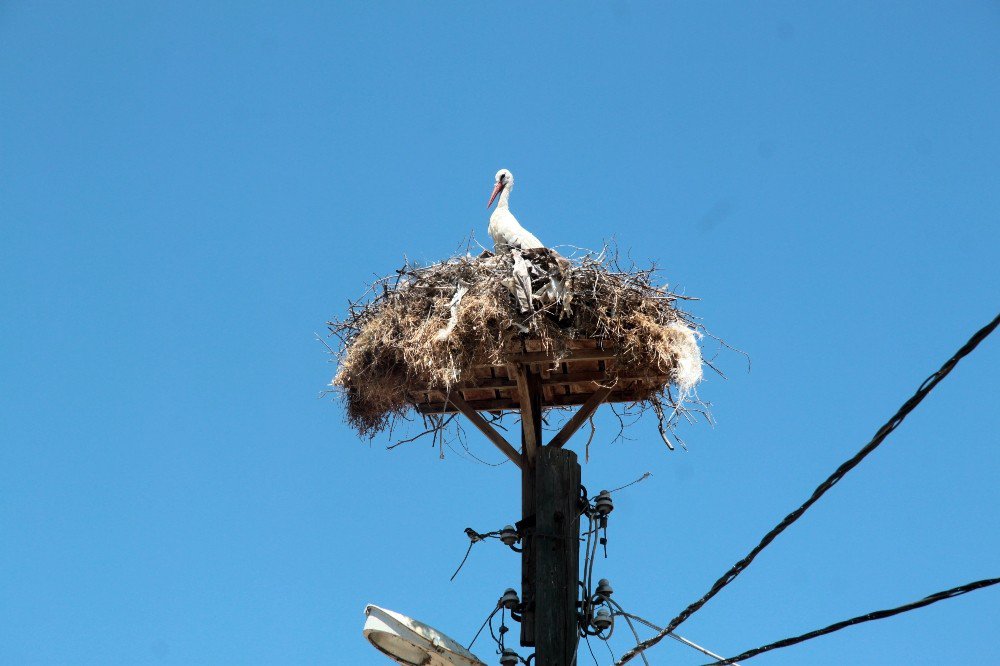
x=413, y=643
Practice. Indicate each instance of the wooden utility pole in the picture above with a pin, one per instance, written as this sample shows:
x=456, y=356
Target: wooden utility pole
x=550, y=529
x=531, y=439
x=556, y=555
x=550, y=481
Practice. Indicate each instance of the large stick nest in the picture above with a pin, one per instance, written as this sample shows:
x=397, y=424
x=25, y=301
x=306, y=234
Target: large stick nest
x=428, y=327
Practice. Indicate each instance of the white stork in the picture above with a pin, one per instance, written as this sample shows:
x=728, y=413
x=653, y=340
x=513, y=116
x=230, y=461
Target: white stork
x=506, y=231
x=538, y=272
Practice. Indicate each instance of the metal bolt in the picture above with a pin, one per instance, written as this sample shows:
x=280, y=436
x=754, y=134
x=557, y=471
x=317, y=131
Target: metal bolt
x=509, y=535
x=510, y=600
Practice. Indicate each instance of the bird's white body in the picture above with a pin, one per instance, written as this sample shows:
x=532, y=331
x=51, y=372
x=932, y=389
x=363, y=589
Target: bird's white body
x=504, y=228
x=507, y=232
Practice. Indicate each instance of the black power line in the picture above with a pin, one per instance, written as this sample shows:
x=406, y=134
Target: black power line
x=879, y=437
x=868, y=617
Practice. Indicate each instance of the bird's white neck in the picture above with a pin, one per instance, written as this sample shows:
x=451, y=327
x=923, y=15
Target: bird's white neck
x=502, y=202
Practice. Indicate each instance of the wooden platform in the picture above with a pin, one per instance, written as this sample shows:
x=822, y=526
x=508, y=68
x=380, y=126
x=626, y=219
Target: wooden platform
x=588, y=370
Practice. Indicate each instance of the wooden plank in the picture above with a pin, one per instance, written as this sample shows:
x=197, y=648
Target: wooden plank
x=473, y=395
x=528, y=388
x=493, y=376
x=485, y=428
x=561, y=379
x=602, y=377
x=491, y=383
x=580, y=417
x=532, y=345
x=507, y=404
x=503, y=404
x=557, y=357
x=572, y=355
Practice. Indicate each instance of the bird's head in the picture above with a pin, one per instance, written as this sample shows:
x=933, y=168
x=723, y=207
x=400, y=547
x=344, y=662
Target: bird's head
x=504, y=181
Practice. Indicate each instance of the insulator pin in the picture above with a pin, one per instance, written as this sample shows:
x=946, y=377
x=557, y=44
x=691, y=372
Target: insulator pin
x=603, y=503
x=602, y=619
x=509, y=658
x=510, y=600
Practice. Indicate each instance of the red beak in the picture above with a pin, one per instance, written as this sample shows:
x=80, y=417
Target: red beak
x=496, y=191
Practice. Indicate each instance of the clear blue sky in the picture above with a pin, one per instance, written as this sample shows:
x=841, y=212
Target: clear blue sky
x=188, y=192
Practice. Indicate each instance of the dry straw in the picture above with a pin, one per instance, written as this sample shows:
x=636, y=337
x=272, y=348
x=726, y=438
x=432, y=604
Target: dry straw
x=427, y=327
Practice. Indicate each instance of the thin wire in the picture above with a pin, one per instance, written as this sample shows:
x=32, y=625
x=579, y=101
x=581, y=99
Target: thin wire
x=630, y=625
x=586, y=556
x=926, y=387
x=488, y=618
x=493, y=635
x=587, y=638
x=474, y=538
x=697, y=647
x=641, y=478
x=502, y=630
x=471, y=544
x=593, y=559
x=868, y=617
x=677, y=638
x=608, y=645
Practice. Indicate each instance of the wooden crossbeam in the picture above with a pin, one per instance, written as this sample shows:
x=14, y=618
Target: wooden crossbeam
x=573, y=355
x=561, y=379
x=582, y=414
x=506, y=404
x=485, y=428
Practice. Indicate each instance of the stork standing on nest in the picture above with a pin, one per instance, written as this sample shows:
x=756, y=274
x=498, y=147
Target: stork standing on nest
x=506, y=231
x=539, y=273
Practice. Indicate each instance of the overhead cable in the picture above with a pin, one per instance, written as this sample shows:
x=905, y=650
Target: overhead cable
x=868, y=617
x=926, y=387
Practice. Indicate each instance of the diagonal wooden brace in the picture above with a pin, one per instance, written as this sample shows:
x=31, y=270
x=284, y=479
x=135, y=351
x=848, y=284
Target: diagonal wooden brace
x=585, y=412
x=485, y=428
